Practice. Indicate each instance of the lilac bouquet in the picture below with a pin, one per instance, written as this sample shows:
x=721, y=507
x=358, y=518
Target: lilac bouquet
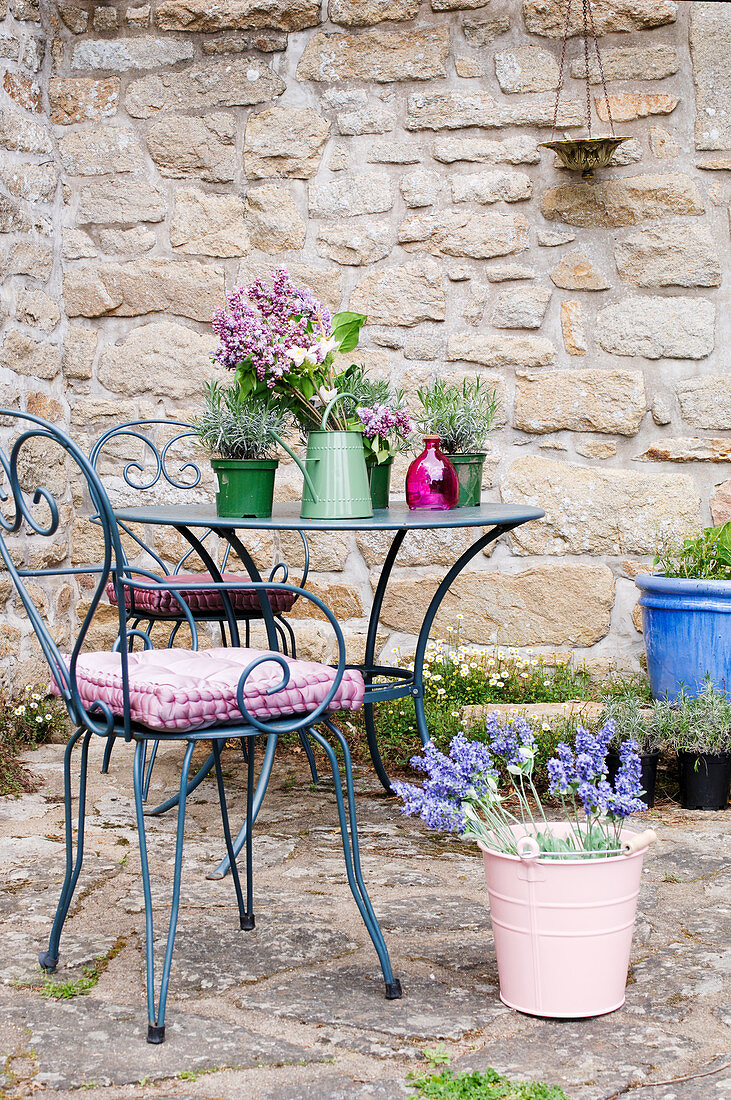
x=380, y=414
x=461, y=793
x=281, y=342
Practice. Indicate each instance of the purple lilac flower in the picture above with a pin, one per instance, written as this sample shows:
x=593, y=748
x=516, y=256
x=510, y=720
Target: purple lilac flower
x=512, y=741
x=450, y=780
x=380, y=420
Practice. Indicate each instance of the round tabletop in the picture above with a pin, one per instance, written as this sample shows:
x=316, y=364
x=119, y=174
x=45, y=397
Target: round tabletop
x=286, y=517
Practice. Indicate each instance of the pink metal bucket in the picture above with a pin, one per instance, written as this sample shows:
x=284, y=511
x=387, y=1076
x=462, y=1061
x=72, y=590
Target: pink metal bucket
x=563, y=928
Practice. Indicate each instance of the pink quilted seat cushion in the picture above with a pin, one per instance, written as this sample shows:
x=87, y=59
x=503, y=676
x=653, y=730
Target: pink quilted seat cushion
x=204, y=601
x=178, y=689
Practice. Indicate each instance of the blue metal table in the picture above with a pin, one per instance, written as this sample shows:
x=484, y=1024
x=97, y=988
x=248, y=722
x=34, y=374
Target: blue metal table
x=392, y=683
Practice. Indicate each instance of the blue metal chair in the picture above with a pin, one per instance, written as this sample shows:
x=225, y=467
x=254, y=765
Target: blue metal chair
x=161, y=465
x=35, y=511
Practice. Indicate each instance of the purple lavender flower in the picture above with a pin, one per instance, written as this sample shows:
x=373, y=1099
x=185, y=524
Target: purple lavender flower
x=515, y=743
x=464, y=773
x=625, y=798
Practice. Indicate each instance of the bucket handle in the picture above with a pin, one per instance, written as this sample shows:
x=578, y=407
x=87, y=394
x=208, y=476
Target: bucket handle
x=527, y=848
x=328, y=408
x=639, y=842
x=298, y=460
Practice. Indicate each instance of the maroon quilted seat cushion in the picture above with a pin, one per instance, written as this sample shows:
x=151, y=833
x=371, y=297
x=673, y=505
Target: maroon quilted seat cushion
x=205, y=601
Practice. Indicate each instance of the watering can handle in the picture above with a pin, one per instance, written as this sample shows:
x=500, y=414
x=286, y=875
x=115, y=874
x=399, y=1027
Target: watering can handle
x=640, y=841
x=298, y=460
x=328, y=407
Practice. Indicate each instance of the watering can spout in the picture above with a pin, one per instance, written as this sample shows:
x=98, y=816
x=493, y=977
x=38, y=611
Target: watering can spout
x=298, y=460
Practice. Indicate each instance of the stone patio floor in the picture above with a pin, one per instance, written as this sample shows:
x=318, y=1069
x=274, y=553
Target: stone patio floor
x=295, y=1009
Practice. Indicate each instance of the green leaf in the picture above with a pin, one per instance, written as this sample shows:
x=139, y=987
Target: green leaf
x=346, y=330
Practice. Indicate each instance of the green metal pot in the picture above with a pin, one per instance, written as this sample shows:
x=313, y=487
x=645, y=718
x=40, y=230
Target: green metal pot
x=336, y=479
x=380, y=481
x=245, y=486
x=469, y=474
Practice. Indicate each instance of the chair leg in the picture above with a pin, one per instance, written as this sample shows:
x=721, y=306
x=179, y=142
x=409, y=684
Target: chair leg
x=246, y=915
x=304, y=739
x=156, y=1017
x=108, y=752
x=253, y=803
x=351, y=851
x=49, y=959
x=148, y=773
x=203, y=772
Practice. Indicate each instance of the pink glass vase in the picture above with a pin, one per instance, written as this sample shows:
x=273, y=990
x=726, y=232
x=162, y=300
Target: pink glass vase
x=431, y=481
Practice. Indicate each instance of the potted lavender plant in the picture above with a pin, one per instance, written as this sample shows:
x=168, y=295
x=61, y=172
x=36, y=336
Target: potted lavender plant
x=461, y=417
x=563, y=893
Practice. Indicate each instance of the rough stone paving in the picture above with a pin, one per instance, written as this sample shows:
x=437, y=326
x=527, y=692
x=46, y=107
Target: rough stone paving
x=294, y=1010
x=154, y=153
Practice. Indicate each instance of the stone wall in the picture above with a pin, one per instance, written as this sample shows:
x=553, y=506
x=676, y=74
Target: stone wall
x=387, y=152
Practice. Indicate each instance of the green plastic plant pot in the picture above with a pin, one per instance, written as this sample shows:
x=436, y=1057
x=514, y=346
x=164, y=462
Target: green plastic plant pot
x=245, y=486
x=379, y=478
x=469, y=474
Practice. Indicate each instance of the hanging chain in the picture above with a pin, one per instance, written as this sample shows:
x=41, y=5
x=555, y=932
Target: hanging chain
x=561, y=66
x=601, y=69
x=585, y=35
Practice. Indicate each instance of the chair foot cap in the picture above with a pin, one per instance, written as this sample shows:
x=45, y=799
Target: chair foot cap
x=394, y=990
x=47, y=962
x=156, y=1034
x=247, y=922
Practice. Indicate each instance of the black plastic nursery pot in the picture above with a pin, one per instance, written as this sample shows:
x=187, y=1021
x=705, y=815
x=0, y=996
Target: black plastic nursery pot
x=648, y=763
x=704, y=780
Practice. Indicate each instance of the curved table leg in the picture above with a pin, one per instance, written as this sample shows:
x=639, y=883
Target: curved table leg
x=370, y=653
x=256, y=801
x=431, y=611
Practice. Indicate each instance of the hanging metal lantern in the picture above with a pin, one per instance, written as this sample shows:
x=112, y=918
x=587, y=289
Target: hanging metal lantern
x=584, y=154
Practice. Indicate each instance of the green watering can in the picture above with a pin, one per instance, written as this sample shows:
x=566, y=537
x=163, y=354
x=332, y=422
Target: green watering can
x=336, y=478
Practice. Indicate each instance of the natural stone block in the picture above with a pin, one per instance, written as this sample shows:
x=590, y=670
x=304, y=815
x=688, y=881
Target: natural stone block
x=105, y=19
x=598, y=511
x=23, y=355
x=357, y=112
x=325, y=284
x=469, y=67
x=274, y=220
x=34, y=258
x=128, y=242
x=572, y=328
x=183, y=287
x=13, y=218
x=268, y=41
x=32, y=182
x=515, y=150
x=77, y=244
x=526, y=69
x=199, y=146
x=381, y=56
x=393, y=152
x=367, y=13
x=496, y=186
x=365, y=193
x=437, y=547
x=481, y=30
x=501, y=351
x=123, y=54
x=596, y=448
x=457, y=5
x=453, y=233
x=79, y=348
x=139, y=16
x=421, y=188
x=329, y=550
x=76, y=99
x=674, y=255
x=215, y=15
x=285, y=142
x=546, y=605
x=627, y=106
x=32, y=52
x=75, y=17
x=721, y=504
x=548, y=17
x=710, y=47
x=454, y=110
x=339, y=158
x=35, y=307
x=721, y=163
x=521, y=307
x=22, y=134
x=610, y=401
x=575, y=271
x=344, y=600
x=674, y=328
x=355, y=245
x=100, y=151
x=25, y=91
x=630, y=63
x=552, y=238
x=663, y=144
x=687, y=450
x=151, y=355
x=404, y=295
x=706, y=402
x=206, y=224
x=624, y=201
x=241, y=82
x=119, y=200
